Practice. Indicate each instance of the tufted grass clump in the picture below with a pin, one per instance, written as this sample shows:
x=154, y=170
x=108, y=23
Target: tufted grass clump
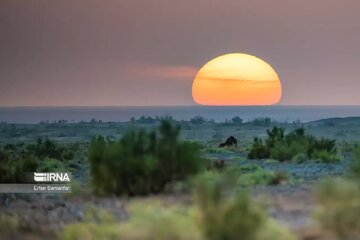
x=325, y=156
x=299, y=158
x=262, y=177
x=226, y=218
x=149, y=221
x=219, y=212
x=216, y=150
x=339, y=208
x=142, y=162
x=226, y=212
x=9, y=224
x=252, y=175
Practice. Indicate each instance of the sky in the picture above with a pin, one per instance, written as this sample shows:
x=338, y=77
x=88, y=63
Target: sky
x=132, y=52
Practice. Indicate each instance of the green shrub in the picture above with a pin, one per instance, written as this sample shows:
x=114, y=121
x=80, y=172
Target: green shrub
x=226, y=213
x=339, y=210
x=325, y=156
x=299, y=158
x=287, y=151
x=13, y=166
x=281, y=152
x=275, y=135
x=51, y=164
x=271, y=160
x=258, y=150
x=47, y=148
x=323, y=144
x=282, y=147
x=16, y=159
x=142, y=162
x=355, y=166
x=224, y=217
x=261, y=177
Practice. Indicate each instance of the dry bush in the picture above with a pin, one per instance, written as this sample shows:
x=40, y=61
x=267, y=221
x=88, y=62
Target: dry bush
x=339, y=208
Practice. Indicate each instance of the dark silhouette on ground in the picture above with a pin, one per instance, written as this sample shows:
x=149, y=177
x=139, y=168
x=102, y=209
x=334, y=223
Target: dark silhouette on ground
x=230, y=141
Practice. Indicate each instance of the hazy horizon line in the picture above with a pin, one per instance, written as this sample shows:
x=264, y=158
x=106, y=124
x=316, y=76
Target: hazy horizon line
x=194, y=105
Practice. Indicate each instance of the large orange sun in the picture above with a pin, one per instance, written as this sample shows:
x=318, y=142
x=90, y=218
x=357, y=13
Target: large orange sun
x=236, y=79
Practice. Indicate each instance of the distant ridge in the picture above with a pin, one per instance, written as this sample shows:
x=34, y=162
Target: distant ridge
x=336, y=120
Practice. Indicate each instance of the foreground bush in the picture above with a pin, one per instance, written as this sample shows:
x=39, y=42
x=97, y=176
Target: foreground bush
x=223, y=218
x=142, y=162
x=8, y=224
x=295, y=145
x=339, y=211
x=355, y=166
x=226, y=213
x=219, y=213
x=148, y=221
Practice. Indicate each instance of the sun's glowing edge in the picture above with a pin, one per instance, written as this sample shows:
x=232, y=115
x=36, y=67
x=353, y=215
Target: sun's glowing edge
x=265, y=71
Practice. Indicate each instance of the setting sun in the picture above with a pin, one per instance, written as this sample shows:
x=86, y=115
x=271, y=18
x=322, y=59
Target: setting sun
x=236, y=79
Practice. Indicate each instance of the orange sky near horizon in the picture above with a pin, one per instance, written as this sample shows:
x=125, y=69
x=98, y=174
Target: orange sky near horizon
x=236, y=79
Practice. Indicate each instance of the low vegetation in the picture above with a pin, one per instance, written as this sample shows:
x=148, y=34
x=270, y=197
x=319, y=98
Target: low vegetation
x=9, y=224
x=223, y=217
x=142, y=162
x=339, y=210
x=252, y=175
x=43, y=155
x=355, y=166
x=147, y=161
x=13, y=166
x=295, y=145
x=262, y=177
x=219, y=213
x=218, y=150
x=147, y=221
x=44, y=147
x=339, y=203
x=226, y=213
x=261, y=121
